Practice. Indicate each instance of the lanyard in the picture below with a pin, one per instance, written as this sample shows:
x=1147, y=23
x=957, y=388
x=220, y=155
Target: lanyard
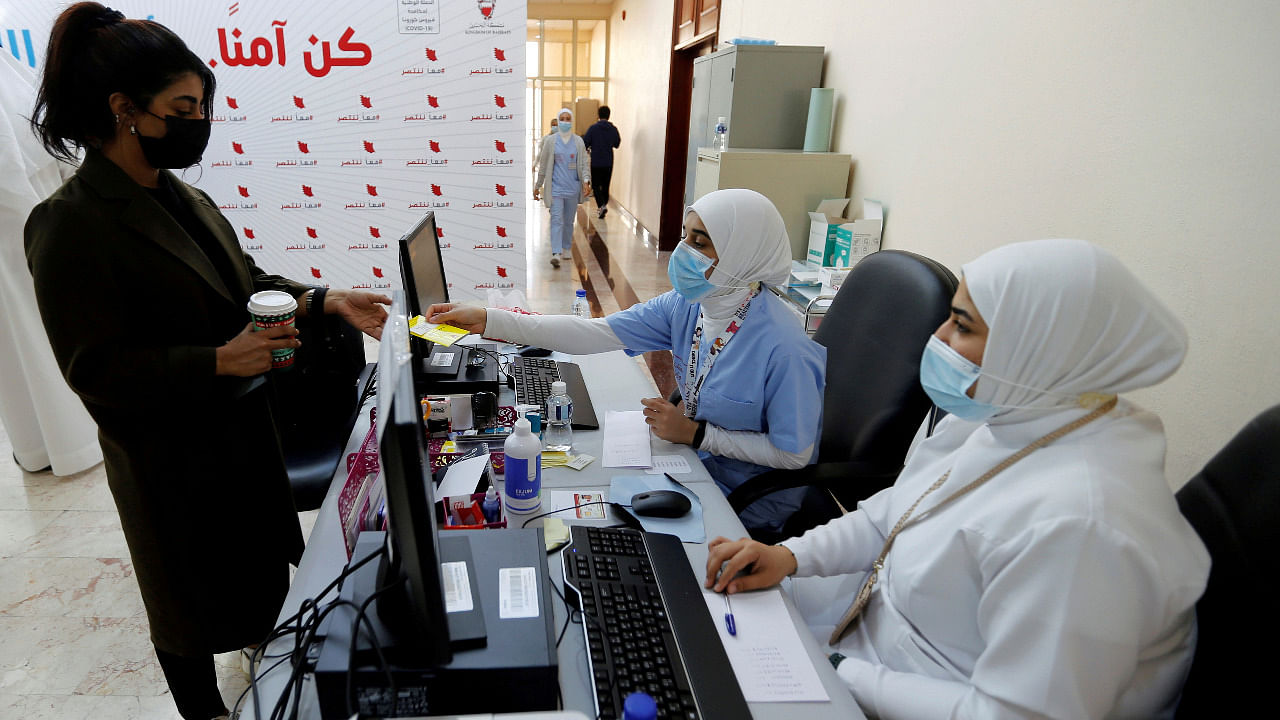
x=860, y=601
x=695, y=377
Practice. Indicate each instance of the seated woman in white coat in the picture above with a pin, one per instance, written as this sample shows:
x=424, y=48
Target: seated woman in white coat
x=1030, y=561
x=750, y=379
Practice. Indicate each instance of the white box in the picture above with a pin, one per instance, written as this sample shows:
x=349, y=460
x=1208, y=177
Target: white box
x=832, y=278
x=858, y=239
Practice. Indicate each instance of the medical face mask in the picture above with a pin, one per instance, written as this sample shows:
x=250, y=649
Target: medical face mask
x=565, y=126
x=946, y=376
x=182, y=146
x=688, y=272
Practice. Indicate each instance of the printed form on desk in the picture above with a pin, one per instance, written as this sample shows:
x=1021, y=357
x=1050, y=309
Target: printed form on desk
x=767, y=656
x=626, y=439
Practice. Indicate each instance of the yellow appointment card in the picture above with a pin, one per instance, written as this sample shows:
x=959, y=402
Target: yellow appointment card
x=439, y=334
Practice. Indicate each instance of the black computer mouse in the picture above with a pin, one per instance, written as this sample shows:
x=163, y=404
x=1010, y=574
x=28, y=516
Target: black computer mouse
x=532, y=351
x=660, y=503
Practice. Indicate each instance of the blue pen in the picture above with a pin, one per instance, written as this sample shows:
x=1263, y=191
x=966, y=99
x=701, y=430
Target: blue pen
x=729, y=624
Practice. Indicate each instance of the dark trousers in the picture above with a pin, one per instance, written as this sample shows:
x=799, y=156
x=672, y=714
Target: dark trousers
x=193, y=683
x=600, y=177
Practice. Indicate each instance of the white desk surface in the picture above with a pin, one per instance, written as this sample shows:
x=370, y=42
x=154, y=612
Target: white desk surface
x=615, y=383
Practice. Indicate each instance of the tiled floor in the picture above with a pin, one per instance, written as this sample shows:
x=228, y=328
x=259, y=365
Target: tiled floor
x=73, y=635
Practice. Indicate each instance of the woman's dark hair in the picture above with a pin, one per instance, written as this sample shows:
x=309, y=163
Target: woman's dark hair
x=94, y=52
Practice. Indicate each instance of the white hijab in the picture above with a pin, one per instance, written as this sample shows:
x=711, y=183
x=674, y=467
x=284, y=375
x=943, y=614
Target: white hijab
x=751, y=242
x=564, y=135
x=1065, y=318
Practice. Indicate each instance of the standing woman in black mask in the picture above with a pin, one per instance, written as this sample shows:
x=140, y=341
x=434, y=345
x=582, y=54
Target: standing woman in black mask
x=142, y=288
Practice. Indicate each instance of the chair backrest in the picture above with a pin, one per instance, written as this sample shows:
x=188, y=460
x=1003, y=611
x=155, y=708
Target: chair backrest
x=1234, y=505
x=875, y=332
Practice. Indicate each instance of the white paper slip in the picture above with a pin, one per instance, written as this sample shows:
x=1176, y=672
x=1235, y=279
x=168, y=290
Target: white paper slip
x=767, y=656
x=457, y=587
x=626, y=439
x=668, y=464
x=517, y=593
x=565, y=499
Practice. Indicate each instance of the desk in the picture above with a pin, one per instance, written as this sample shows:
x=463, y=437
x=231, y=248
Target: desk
x=615, y=383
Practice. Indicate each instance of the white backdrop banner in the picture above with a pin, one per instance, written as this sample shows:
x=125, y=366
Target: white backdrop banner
x=336, y=125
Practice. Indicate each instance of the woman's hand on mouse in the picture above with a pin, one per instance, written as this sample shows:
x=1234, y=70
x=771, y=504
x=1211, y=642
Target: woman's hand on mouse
x=761, y=565
x=468, y=317
x=668, y=422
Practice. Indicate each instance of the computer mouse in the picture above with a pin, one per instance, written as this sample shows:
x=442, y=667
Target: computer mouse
x=532, y=351
x=660, y=503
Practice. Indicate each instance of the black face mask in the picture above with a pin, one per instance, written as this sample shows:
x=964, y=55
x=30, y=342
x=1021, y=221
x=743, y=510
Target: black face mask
x=183, y=143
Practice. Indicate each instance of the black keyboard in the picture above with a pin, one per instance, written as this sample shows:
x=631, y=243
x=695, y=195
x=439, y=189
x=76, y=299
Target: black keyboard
x=647, y=627
x=533, y=377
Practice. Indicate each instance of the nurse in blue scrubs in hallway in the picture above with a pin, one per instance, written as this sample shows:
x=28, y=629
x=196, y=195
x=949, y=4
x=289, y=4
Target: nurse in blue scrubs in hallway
x=750, y=378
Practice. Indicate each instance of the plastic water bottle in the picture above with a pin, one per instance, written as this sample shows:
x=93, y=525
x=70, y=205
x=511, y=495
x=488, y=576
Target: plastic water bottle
x=722, y=134
x=639, y=706
x=580, y=306
x=558, y=435
x=491, y=506
x=523, y=472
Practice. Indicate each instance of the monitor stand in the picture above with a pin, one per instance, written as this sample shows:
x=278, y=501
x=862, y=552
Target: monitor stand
x=519, y=657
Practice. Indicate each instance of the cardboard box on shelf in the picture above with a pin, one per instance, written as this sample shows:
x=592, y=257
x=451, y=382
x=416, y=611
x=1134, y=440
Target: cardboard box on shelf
x=840, y=242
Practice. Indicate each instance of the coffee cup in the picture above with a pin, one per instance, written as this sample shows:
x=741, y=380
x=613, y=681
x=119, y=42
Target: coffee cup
x=274, y=309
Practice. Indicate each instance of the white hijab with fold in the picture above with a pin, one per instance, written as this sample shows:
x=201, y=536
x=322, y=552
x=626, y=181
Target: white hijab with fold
x=564, y=135
x=1065, y=318
x=751, y=242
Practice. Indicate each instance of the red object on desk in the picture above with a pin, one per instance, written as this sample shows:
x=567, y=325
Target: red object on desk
x=473, y=517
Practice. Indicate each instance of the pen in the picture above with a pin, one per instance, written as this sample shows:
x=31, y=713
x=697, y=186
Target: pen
x=677, y=482
x=729, y=624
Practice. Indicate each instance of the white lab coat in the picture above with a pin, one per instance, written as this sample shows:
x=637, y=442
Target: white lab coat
x=46, y=423
x=1064, y=587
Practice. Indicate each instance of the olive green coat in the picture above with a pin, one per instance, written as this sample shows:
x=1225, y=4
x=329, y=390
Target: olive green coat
x=134, y=310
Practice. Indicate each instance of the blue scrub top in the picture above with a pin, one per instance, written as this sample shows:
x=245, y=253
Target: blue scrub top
x=564, y=171
x=768, y=379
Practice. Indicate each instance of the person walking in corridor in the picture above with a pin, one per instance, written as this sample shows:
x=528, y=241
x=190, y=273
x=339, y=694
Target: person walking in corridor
x=600, y=141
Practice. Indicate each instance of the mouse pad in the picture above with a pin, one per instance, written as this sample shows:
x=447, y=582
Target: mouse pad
x=688, y=528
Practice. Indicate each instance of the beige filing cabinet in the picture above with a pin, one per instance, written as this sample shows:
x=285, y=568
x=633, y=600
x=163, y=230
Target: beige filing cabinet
x=795, y=181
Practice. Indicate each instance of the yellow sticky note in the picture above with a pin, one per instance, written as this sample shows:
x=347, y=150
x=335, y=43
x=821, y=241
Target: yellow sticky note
x=443, y=334
x=554, y=533
x=555, y=459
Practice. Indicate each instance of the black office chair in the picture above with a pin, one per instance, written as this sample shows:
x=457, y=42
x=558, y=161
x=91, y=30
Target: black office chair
x=874, y=332
x=316, y=404
x=1234, y=505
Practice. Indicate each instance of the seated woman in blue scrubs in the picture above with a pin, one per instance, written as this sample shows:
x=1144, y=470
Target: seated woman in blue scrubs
x=750, y=378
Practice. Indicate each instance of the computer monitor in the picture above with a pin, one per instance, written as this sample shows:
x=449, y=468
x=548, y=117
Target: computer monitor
x=422, y=267
x=412, y=602
x=416, y=610
x=439, y=370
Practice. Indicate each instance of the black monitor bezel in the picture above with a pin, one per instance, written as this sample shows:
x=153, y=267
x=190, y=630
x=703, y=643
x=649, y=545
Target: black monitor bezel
x=409, y=242
x=412, y=534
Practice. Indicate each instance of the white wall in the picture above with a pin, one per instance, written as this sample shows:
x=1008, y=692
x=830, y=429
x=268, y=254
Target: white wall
x=1147, y=127
x=639, y=69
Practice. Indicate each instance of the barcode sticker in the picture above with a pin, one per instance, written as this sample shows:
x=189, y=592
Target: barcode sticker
x=442, y=359
x=517, y=593
x=457, y=587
